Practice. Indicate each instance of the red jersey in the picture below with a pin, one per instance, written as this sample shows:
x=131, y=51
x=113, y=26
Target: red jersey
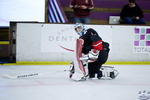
x=76, y=5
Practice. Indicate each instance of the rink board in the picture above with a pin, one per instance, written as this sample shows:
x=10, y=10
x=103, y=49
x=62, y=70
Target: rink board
x=36, y=42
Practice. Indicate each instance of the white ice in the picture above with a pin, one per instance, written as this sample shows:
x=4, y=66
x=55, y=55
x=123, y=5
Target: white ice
x=54, y=84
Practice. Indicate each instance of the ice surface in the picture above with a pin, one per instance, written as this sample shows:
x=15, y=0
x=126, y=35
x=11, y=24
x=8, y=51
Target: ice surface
x=53, y=84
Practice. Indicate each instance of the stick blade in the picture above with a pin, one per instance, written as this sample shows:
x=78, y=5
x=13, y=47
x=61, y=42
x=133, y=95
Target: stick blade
x=9, y=76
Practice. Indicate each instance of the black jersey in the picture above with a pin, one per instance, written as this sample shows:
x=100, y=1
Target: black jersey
x=91, y=41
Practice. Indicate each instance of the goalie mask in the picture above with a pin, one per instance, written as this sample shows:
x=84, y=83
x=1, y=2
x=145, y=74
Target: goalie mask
x=79, y=28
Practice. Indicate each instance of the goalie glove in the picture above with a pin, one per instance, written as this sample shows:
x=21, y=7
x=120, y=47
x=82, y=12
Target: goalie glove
x=93, y=54
x=84, y=57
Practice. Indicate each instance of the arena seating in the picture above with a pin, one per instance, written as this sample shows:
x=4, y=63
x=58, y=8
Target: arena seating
x=105, y=8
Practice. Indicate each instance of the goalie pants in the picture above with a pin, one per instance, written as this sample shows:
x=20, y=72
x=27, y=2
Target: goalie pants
x=94, y=67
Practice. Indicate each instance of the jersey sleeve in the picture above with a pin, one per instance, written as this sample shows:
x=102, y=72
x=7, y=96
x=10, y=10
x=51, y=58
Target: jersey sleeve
x=73, y=4
x=90, y=4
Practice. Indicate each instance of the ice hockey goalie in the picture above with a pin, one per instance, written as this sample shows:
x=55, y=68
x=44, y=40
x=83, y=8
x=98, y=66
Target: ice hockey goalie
x=90, y=54
x=79, y=67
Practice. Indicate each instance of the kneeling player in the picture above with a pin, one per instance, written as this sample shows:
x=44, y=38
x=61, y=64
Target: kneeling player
x=94, y=49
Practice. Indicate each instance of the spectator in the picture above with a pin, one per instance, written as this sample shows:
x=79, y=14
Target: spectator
x=131, y=14
x=81, y=9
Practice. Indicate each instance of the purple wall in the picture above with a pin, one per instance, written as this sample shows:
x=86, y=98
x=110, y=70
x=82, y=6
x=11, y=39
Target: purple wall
x=105, y=15
x=144, y=4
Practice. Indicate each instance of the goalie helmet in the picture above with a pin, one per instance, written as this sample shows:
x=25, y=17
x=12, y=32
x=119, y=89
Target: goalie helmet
x=79, y=28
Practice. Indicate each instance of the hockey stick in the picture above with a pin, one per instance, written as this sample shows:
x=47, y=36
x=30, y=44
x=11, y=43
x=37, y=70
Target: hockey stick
x=20, y=76
x=29, y=75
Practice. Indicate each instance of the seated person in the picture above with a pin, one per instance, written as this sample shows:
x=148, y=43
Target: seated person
x=131, y=14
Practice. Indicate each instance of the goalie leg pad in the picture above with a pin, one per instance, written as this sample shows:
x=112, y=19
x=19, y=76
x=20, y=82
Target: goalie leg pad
x=109, y=72
x=77, y=71
x=71, y=70
x=78, y=77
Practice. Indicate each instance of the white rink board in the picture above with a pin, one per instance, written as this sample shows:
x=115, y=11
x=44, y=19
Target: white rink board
x=44, y=42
